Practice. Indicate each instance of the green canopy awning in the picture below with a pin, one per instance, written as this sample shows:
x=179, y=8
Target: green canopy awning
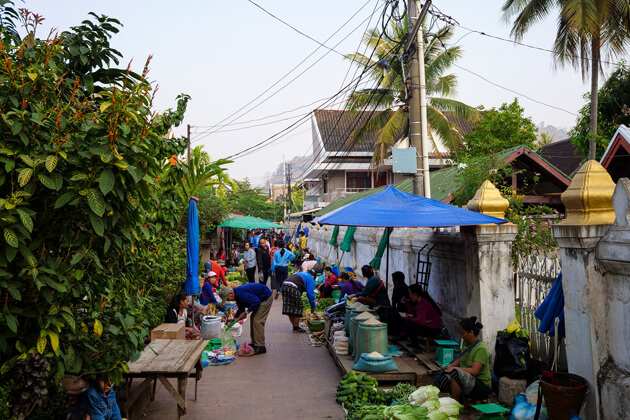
x=333, y=238
x=376, y=261
x=250, y=222
x=346, y=245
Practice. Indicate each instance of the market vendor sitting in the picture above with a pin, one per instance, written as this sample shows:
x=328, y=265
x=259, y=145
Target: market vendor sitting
x=468, y=375
x=374, y=293
x=423, y=315
x=292, y=290
x=100, y=400
x=350, y=284
x=231, y=261
x=213, y=265
x=331, y=283
x=177, y=312
x=255, y=298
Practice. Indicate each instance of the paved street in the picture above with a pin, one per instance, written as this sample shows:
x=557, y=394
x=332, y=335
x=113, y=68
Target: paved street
x=293, y=380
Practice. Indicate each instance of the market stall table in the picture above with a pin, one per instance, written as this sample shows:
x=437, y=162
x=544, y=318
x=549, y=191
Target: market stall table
x=163, y=359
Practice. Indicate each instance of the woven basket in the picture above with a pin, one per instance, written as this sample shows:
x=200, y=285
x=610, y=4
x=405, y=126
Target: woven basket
x=566, y=398
x=315, y=326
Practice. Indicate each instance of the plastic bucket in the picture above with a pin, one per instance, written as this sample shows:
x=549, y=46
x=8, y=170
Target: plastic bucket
x=210, y=327
x=371, y=338
x=566, y=398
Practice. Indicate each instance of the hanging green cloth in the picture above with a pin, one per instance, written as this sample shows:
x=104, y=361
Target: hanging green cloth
x=376, y=261
x=333, y=238
x=346, y=245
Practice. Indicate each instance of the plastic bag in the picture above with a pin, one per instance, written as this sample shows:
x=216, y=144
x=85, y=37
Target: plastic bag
x=527, y=411
x=512, y=356
x=531, y=393
x=525, y=405
x=227, y=342
x=245, y=350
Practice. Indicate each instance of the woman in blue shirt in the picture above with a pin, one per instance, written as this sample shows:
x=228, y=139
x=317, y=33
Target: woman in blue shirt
x=280, y=265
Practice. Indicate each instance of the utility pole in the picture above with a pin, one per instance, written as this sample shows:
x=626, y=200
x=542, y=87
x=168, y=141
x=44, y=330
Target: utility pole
x=284, y=188
x=418, y=127
x=289, y=187
x=188, y=129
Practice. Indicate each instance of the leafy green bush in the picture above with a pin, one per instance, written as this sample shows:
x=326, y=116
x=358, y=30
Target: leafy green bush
x=89, y=207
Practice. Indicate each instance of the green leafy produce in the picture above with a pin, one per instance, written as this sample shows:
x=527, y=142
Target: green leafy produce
x=361, y=388
x=424, y=393
x=401, y=392
x=233, y=276
x=405, y=412
x=432, y=404
x=438, y=415
x=324, y=303
x=450, y=406
x=363, y=411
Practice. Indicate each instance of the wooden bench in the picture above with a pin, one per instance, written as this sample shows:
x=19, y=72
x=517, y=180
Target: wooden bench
x=164, y=359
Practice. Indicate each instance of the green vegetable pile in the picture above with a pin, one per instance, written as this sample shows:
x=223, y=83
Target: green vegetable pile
x=324, y=303
x=361, y=388
x=405, y=412
x=401, y=392
x=445, y=408
x=363, y=411
x=236, y=277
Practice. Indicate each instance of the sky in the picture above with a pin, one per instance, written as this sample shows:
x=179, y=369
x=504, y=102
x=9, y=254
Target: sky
x=225, y=54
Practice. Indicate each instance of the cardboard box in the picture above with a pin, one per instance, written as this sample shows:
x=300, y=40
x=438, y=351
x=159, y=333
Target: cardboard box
x=169, y=332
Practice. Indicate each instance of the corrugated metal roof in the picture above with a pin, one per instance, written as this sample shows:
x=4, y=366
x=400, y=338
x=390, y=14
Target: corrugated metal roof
x=335, y=128
x=443, y=180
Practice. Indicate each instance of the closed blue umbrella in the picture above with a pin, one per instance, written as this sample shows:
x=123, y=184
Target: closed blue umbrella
x=192, y=250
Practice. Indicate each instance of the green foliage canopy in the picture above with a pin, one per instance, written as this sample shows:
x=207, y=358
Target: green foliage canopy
x=500, y=129
x=250, y=201
x=89, y=254
x=613, y=109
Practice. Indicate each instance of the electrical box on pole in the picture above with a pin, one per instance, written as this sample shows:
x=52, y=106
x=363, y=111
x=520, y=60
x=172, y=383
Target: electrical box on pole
x=404, y=161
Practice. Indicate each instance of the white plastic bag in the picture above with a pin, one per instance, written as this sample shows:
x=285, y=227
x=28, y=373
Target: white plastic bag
x=532, y=392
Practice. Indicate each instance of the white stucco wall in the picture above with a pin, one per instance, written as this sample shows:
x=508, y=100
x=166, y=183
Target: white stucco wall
x=470, y=275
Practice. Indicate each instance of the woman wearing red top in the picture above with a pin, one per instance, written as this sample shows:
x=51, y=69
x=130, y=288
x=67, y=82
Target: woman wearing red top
x=423, y=318
x=221, y=254
x=327, y=288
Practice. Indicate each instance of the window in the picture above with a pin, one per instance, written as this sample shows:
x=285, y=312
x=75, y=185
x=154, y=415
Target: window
x=357, y=181
x=325, y=186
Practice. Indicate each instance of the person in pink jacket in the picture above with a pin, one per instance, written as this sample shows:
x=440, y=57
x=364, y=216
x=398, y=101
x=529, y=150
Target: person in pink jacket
x=327, y=288
x=424, y=317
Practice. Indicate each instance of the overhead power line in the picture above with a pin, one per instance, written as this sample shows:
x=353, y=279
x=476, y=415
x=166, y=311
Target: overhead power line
x=515, y=92
x=219, y=127
x=208, y=132
x=533, y=47
x=297, y=30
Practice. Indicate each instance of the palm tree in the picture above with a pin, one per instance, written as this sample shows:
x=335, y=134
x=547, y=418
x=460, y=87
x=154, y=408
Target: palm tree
x=390, y=120
x=545, y=139
x=586, y=29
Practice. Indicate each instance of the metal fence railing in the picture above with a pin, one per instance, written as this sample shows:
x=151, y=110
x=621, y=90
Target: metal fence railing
x=534, y=277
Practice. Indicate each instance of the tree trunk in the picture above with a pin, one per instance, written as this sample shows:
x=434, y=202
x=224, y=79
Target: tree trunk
x=594, y=92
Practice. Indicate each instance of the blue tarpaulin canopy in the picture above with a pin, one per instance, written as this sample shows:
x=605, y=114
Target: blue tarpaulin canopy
x=394, y=208
x=192, y=250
